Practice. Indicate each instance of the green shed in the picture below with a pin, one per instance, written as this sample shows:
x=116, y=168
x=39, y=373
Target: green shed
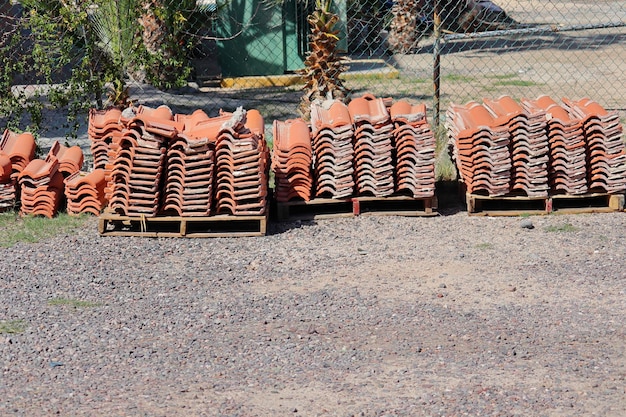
x=256, y=38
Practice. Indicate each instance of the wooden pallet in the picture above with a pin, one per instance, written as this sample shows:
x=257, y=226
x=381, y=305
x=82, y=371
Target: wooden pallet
x=479, y=205
x=327, y=208
x=396, y=206
x=316, y=209
x=110, y=224
x=587, y=203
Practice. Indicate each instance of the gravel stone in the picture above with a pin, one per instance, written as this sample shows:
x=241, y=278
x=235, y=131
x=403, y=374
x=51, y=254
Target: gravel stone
x=367, y=316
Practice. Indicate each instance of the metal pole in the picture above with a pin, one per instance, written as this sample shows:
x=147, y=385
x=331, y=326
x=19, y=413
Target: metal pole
x=436, y=64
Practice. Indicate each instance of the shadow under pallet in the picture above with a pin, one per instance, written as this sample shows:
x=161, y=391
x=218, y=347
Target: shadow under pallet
x=111, y=224
x=328, y=208
x=480, y=205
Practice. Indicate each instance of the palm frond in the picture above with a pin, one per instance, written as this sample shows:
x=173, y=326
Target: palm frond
x=114, y=23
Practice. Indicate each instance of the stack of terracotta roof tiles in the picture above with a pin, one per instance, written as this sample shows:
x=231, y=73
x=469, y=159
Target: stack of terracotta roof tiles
x=373, y=147
x=566, y=139
x=42, y=181
x=138, y=157
x=480, y=148
x=415, y=150
x=41, y=185
x=103, y=127
x=555, y=148
x=242, y=159
x=186, y=165
x=606, y=157
x=16, y=152
x=332, y=132
x=190, y=166
x=84, y=192
x=292, y=160
x=529, y=145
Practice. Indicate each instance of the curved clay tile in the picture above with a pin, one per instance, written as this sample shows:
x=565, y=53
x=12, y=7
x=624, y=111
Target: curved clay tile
x=207, y=129
x=545, y=101
x=586, y=108
x=329, y=114
x=128, y=141
x=105, y=117
x=172, y=208
x=254, y=122
x=359, y=109
x=165, y=128
x=91, y=207
x=504, y=107
x=57, y=181
x=162, y=112
x=70, y=158
x=557, y=113
x=369, y=109
x=192, y=119
x=480, y=116
x=38, y=169
x=18, y=145
x=6, y=167
x=291, y=134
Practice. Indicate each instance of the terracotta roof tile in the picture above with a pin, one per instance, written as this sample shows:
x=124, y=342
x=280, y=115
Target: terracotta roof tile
x=330, y=114
x=20, y=147
x=332, y=133
x=6, y=168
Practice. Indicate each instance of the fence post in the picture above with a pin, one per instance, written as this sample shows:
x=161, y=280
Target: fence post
x=436, y=63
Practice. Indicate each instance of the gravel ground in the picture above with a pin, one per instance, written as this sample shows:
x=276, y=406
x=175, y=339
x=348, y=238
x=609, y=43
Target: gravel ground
x=371, y=316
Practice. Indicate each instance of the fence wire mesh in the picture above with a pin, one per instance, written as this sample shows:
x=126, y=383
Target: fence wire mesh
x=220, y=55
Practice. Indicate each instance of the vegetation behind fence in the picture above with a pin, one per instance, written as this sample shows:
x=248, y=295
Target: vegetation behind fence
x=204, y=54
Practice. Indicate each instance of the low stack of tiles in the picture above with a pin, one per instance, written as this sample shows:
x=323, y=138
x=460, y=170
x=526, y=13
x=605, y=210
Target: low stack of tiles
x=84, y=192
x=45, y=186
x=370, y=147
x=42, y=182
x=537, y=148
x=160, y=163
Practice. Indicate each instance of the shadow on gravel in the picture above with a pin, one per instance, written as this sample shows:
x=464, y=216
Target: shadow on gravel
x=450, y=197
x=276, y=228
x=450, y=201
x=510, y=44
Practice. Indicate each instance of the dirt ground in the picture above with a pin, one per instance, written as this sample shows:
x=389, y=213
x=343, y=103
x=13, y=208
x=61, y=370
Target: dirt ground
x=370, y=316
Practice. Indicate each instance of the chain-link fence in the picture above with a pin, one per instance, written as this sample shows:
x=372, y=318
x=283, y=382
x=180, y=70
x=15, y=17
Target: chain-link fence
x=205, y=54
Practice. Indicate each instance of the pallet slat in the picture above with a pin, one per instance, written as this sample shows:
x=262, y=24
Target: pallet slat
x=327, y=208
x=110, y=224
